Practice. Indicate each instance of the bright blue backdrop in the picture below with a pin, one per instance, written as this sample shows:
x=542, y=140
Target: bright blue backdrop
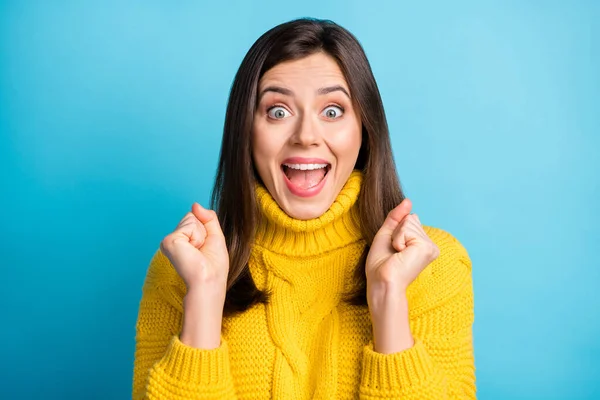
x=110, y=122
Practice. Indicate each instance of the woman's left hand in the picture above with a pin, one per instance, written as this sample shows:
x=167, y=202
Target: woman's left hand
x=400, y=251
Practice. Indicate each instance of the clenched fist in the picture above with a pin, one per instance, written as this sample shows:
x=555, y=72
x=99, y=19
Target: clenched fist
x=400, y=250
x=198, y=251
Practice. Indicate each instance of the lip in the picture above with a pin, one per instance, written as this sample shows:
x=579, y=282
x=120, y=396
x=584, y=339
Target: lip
x=313, y=191
x=302, y=160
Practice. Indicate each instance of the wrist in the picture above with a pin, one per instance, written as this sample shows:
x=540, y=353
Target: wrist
x=385, y=295
x=384, y=306
x=211, y=292
x=390, y=320
x=202, y=319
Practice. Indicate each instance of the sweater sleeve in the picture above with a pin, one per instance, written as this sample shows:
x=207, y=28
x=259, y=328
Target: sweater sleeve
x=164, y=367
x=441, y=364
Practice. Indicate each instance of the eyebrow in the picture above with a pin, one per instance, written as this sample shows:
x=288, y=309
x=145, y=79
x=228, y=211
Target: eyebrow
x=288, y=92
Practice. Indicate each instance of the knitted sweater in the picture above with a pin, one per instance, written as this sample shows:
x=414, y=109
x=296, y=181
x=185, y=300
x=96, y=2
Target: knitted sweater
x=307, y=343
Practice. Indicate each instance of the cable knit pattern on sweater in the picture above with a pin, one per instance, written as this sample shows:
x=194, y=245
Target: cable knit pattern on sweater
x=306, y=343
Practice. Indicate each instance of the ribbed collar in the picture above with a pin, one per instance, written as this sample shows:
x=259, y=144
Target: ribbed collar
x=337, y=227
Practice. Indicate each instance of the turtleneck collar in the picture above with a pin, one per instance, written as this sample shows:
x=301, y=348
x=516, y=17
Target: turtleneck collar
x=337, y=227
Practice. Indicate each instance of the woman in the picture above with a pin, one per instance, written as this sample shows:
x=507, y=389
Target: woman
x=312, y=280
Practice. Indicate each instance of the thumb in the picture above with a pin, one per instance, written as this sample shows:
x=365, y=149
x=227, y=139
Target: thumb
x=209, y=219
x=394, y=217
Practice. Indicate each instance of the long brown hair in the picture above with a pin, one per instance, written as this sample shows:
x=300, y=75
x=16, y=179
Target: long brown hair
x=233, y=192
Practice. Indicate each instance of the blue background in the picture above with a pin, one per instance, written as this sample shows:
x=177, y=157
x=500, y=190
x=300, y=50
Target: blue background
x=110, y=125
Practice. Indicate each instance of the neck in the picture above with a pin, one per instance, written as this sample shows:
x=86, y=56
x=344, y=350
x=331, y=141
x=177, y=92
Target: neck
x=337, y=227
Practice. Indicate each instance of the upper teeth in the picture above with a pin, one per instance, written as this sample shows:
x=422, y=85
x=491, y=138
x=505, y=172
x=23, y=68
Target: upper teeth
x=305, y=166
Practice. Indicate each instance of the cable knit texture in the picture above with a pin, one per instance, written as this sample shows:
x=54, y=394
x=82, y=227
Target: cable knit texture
x=307, y=343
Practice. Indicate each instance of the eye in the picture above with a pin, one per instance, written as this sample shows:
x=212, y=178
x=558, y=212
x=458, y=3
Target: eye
x=278, y=112
x=333, y=112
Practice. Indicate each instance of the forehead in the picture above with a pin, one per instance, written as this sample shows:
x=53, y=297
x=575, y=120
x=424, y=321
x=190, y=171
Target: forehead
x=314, y=70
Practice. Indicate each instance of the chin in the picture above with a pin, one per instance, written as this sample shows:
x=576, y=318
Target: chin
x=306, y=211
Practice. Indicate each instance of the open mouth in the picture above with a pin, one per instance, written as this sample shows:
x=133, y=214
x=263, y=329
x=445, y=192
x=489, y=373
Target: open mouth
x=305, y=176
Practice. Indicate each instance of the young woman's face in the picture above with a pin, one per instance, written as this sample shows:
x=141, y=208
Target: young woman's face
x=306, y=134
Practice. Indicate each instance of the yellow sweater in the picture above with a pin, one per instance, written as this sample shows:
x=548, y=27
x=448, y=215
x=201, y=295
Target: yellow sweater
x=306, y=343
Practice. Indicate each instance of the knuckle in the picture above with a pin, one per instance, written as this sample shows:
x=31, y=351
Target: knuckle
x=389, y=215
x=166, y=242
x=185, y=220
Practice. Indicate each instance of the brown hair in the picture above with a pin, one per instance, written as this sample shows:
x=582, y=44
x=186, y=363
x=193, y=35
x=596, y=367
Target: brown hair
x=233, y=192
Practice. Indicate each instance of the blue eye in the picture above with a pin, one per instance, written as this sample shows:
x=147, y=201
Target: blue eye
x=278, y=112
x=333, y=112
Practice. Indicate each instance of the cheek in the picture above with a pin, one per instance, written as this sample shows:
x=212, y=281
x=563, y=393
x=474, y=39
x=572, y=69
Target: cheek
x=258, y=157
x=346, y=142
x=265, y=147
x=260, y=143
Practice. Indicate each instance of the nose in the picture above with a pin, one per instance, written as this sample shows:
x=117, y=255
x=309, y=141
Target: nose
x=307, y=132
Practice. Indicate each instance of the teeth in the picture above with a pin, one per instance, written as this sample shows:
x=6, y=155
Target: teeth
x=306, y=166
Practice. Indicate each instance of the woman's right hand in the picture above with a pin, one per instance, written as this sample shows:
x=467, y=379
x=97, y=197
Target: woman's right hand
x=198, y=251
